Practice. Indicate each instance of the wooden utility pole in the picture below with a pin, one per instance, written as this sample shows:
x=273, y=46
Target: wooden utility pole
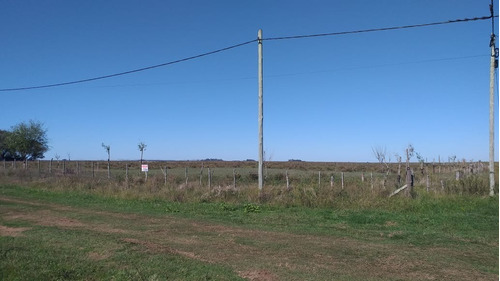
x=493, y=65
x=261, y=113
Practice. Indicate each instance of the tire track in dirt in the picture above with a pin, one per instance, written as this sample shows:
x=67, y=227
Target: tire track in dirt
x=253, y=254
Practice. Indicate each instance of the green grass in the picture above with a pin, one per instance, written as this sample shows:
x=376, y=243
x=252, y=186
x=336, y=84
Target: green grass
x=445, y=218
x=55, y=254
x=466, y=225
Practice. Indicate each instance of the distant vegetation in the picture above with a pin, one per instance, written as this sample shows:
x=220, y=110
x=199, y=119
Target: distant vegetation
x=25, y=141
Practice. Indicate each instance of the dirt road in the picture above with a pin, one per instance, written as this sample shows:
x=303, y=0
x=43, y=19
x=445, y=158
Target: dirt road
x=253, y=254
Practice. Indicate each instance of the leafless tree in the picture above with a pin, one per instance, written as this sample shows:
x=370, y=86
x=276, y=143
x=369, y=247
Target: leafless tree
x=380, y=153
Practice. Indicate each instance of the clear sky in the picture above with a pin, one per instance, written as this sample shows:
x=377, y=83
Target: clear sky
x=325, y=99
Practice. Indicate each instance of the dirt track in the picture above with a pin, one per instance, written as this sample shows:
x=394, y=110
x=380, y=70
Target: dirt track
x=254, y=254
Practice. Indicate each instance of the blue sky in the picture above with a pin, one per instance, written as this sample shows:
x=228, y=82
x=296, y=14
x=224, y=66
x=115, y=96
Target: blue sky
x=325, y=99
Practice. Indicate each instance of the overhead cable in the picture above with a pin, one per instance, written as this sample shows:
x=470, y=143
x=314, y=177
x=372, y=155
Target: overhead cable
x=379, y=29
x=130, y=71
x=242, y=44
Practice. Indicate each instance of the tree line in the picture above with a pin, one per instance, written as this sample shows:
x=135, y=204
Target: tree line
x=25, y=141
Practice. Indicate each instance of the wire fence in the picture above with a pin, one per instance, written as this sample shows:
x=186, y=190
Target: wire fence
x=448, y=178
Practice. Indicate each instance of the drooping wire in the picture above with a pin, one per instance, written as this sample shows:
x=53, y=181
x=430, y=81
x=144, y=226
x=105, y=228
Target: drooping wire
x=242, y=44
x=130, y=71
x=379, y=29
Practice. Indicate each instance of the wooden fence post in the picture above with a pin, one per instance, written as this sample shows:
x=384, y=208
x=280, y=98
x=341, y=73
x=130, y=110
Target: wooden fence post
x=126, y=173
x=201, y=174
x=439, y=164
x=319, y=179
x=165, y=175
x=427, y=182
x=331, y=181
x=209, y=179
x=342, y=178
x=408, y=182
x=287, y=180
x=234, y=178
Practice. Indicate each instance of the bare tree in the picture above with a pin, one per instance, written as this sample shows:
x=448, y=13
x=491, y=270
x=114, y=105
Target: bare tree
x=142, y=146
x=108, y=149
x=380, y=153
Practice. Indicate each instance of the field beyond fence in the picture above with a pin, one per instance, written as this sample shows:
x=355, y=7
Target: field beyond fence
x=285, y=183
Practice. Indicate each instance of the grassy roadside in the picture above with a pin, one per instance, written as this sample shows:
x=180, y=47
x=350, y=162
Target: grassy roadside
x=442, y=218
x=464, y=225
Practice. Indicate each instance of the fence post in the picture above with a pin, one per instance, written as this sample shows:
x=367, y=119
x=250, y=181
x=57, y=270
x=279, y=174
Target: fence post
x=165, y=175
x=126, y=172
x=209, y=179
x=50, y=166
x=319, y=179
x=371, y=179
x=287, y=180
x=201, y=175
x=234, y=178
x=331, y=181
x=342, y=178
x=186, y=175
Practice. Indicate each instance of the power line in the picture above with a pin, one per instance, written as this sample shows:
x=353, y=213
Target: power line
x=379, y=29
x=242, y=44
x=130, y=71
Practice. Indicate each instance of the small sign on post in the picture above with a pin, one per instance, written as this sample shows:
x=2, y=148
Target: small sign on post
x=144, y=168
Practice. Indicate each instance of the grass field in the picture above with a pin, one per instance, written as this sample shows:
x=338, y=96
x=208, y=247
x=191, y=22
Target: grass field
x=58, y=234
